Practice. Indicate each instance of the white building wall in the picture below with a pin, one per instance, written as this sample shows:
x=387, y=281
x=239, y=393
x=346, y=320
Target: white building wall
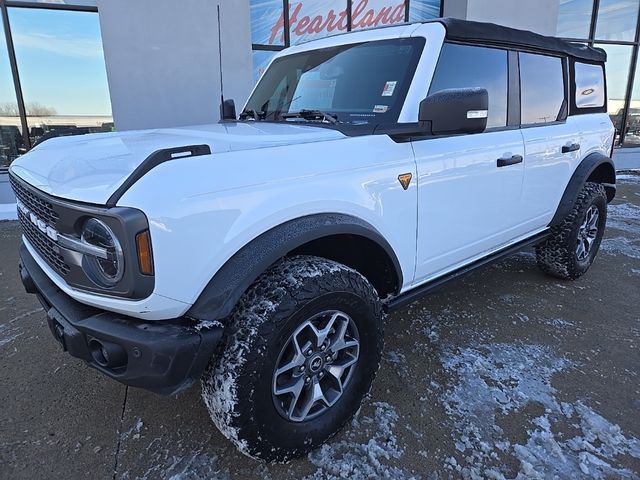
x=163, y=61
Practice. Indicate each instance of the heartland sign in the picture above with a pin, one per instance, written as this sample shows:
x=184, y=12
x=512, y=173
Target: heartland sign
x=306, y=22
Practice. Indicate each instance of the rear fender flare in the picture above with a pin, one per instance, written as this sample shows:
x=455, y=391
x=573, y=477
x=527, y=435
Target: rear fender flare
x=586, y=168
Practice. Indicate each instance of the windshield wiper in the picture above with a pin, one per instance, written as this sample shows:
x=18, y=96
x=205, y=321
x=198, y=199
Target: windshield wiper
x=312, y=115
x=275, y=113
x=250, y=113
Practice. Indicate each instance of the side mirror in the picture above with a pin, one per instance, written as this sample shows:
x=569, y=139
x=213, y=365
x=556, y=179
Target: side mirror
x=456, y=111
x=228, y=110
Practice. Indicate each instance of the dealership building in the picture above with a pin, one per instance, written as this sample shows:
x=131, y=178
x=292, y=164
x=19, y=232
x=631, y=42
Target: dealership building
x=70, y=67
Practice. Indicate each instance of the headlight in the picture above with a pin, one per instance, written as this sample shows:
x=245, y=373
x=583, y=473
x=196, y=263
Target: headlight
x=105, y=266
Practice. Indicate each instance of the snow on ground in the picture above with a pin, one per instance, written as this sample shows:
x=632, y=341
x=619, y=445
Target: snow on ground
x=359, y=460
x=628, y=178
x=165, y=464
x=8, y=333
x=12, y=330
x=624, y=217
x=501, y=385
x=622, y=246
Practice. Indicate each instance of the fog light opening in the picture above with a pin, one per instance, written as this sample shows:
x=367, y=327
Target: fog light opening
x=107, y=355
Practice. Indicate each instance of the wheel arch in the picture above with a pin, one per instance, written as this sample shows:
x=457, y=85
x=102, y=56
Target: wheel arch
x=595, y=167
x=339, y=237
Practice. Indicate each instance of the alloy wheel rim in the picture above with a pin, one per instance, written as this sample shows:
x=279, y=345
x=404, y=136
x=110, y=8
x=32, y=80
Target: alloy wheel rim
x=315, y=366
x=587, y=233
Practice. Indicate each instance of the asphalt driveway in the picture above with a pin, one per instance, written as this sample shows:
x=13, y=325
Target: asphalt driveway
x=505, y=373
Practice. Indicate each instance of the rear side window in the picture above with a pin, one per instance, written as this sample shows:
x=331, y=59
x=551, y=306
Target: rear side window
x=589, y=82
x=463, y=66
x=542, y=88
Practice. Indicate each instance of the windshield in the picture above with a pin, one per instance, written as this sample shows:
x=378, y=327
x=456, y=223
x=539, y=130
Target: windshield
x=358, y=83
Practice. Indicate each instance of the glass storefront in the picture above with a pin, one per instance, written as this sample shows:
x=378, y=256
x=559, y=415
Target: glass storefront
x=49, y=44
x=609, y=24
x=55, y=50
x=613, y=26
x=617, y=20
x=272, y=30
x=12, y=143
x=574, y=18
x=618, y=63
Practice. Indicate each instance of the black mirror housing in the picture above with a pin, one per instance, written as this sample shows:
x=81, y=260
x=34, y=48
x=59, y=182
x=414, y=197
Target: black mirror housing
x=456, y=111
x=228, y=110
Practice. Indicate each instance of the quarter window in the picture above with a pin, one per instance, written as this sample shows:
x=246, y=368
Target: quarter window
x=589, y=86
x=542, y=88
x=463, y=66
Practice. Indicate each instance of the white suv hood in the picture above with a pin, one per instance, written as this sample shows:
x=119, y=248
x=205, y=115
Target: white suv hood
x=90, y=168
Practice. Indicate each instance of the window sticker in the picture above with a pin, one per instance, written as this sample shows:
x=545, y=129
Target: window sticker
x=380, y=109
x=389, y=88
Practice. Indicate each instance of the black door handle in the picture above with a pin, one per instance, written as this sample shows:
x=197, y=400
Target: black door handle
x=574, y=147
x=505, y=162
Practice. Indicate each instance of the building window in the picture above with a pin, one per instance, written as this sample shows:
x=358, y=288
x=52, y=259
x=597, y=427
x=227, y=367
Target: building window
x=574, y=18
x=267, y=22
x=377, y=13
x=12, y=142
x=632, y=130
x=613, y=26
x=618, y=67
x=273, y=29
x=542, y=91
x=421, y=10
x=489, y=67
x=312, y=19
x=62, y=72
x=617, y=20
x=70, y=3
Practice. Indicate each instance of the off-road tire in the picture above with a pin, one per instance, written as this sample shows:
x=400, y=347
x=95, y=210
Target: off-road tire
x=557, y=255
x=237, y=386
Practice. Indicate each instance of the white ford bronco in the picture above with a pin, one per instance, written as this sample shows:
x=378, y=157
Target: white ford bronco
x=259, y=255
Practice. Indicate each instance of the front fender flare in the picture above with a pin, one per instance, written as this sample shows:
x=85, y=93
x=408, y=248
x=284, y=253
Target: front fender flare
x=223, y=291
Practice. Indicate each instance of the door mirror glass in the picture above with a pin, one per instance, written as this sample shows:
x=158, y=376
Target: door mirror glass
x=456, y=111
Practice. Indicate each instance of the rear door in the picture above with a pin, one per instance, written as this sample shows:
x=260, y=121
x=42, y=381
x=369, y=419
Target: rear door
x=468, y=199
x=552, y=140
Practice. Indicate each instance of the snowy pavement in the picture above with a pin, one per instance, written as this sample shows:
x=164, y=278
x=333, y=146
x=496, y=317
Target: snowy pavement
x=506, y=374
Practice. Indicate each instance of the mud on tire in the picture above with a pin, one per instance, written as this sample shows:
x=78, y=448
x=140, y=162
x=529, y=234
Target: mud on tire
x=239, y=385
x=558, y=255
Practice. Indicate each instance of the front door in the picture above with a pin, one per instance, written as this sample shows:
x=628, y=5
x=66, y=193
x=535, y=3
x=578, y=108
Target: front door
x=469, y=186
x=467, y=204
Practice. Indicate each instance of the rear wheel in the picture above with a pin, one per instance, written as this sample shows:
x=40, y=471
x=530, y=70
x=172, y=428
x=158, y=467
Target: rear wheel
x=574, y=244
x=301, y=352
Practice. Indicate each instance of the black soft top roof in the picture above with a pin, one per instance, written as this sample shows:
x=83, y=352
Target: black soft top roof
x=490, y=33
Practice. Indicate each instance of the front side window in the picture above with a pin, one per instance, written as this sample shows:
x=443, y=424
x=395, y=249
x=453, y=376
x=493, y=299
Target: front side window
x=463, y=66
x=589, y=82
x=542, y=88
x=358, y=84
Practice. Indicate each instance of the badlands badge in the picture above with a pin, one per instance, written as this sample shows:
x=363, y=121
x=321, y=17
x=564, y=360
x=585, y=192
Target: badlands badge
x=405, y=180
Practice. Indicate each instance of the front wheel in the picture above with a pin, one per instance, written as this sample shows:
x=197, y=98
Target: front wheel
x=301, y=352
x=573, y=244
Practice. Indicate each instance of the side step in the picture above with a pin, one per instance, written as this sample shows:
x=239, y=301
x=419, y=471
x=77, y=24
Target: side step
x=411, y=296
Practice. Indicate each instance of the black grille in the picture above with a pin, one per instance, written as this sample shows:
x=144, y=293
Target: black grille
x=40, y=207
x=46, y=247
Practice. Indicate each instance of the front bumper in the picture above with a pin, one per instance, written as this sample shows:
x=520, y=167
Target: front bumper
x=163, y=357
